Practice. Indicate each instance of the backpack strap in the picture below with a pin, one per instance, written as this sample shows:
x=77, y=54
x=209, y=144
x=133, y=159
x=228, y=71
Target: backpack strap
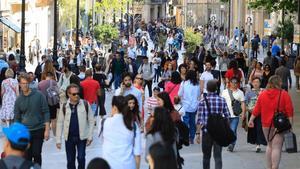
x=102, y=125
x=86, y=106
x=64, y=108
x=26, y=164
x=2, y=164
x=231, y=95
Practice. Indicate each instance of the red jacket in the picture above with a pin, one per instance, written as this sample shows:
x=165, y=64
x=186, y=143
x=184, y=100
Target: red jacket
x=267, y=102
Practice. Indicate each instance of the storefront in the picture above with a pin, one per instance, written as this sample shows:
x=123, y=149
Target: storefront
x=9, y=34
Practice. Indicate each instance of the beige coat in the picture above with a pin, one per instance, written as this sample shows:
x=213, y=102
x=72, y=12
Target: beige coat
x=86, y=124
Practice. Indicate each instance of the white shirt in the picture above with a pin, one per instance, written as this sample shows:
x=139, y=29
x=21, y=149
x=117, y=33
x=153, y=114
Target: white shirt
x=238, y=95
x=189, y=95
x=156, y=62
x=134, y=91
x=119, y=144
x=206, y=76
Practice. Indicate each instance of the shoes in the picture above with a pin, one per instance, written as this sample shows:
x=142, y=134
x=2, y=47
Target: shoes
x=258, y=149
x=298, y=90
x=230, y=148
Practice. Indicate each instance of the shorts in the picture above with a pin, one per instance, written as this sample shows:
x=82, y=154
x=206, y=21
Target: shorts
x=53, y=111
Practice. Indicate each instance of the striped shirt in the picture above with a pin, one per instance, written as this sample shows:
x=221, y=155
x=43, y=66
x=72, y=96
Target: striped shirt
x=217, y=105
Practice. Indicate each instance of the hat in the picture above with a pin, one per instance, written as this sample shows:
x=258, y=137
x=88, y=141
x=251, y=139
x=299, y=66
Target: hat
x=18, y=134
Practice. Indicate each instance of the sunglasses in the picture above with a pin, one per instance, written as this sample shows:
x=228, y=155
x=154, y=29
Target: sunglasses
x=74, y=94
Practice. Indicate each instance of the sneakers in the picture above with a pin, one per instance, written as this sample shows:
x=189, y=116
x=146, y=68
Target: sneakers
x=258, y=149
x=230, y=148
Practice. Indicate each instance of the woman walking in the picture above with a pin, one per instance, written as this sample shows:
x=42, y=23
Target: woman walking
x=189, y=92
x=270, y=101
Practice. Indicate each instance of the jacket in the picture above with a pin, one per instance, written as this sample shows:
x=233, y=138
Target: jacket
x=86, y=124
x=267, y=104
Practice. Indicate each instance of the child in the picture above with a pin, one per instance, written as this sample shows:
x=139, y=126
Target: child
x=178, y=106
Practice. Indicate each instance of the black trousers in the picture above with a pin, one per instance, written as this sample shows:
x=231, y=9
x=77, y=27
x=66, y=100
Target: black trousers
x=149, y=85
x=34, y=153
x=207, y=145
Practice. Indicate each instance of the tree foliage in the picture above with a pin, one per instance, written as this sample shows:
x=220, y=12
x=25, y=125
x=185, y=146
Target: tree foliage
x=286, y=30
x=192, y=39
x=67, y=11
x=107, y=6
x=275, y=5
x=106, y=33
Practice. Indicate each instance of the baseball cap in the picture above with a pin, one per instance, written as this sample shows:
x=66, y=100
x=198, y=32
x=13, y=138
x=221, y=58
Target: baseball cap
x=18, y=134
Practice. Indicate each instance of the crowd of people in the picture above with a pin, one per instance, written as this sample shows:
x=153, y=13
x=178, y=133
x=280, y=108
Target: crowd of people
x=67, y=95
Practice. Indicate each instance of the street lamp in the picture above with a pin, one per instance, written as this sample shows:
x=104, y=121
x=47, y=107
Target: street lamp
x=55, y=31
x=77, y=25
x=22, y=54
x=249, y=23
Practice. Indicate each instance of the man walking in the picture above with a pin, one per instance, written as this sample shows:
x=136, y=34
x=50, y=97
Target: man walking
x=91, y=90
x=15, y=145
x=127, y=88
x=205, y=77
x=231, y=95
x=211, y=104
x=31, y=109
x=148, y=72
x=76, y=122
x=285, y=75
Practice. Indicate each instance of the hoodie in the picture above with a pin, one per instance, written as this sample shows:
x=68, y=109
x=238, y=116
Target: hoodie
x=267, y=105
x=32, y=110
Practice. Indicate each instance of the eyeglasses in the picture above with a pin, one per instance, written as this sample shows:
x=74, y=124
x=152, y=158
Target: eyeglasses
x=74, y=94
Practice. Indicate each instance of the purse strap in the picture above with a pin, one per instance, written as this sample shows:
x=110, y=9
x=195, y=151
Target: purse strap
x=231, y=94
x=277, y=111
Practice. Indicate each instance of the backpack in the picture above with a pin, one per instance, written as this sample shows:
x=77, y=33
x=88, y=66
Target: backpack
x=236, y=105
x=25, y=165
x=218, y=128
x=183, y=132
x=52, y=94
x=86, y=106
x=38, y=71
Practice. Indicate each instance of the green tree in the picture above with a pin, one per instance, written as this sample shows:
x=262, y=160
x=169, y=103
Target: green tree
x=192, y=39
x=275, y=5
x=285, y=30
x=67, y=12
x=106, y=33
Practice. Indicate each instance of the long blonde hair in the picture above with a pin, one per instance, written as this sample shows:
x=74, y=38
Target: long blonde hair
x=274, y=82
x=48, y=68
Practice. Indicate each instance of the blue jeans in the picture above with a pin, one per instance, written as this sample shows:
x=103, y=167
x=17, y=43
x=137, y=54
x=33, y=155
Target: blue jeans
x=234, y=122
x=144, y=51
x=117, y=79
x=94, y=108
x=189, y=120
x=71, y=144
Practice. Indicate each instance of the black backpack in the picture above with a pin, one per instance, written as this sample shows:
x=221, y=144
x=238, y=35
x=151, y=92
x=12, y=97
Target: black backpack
x=218, y=128
x=25, y=165
x=38, y=71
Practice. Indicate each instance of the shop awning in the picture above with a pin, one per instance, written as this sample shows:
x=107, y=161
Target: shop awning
x=9, y=24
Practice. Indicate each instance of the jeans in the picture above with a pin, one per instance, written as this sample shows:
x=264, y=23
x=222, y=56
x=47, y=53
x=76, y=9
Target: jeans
x=149, y=85
x=71, y=144
x=144, y=51
x=117, y=79
x=157, y=74
x=234, y=122
x=189, y=120
x=34, y=153
x=94, y=109
x=207, y=144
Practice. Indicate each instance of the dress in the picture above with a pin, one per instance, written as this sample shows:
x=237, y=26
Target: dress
x=9, y=89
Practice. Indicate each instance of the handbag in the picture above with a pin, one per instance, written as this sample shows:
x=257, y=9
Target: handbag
x=218, y=127
x=236, y=105
x=280, y=121
x=290, y=142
